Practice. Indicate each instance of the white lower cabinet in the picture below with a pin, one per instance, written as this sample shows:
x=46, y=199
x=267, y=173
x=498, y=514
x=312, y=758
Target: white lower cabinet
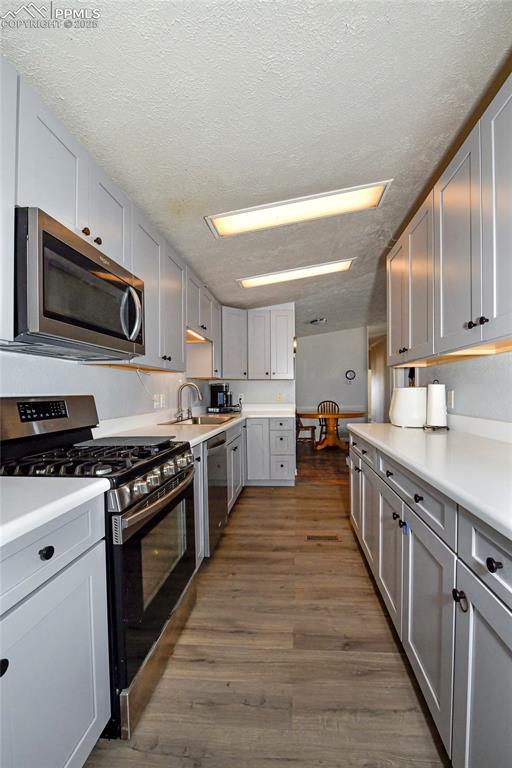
x=355, y=494
x=55, y=670
x=258, y=449
x=200, y=510
x=235, y=478
x=429, y=618
x=270, y=451
x=389, y=571
x=369, y=517
x=482, y=712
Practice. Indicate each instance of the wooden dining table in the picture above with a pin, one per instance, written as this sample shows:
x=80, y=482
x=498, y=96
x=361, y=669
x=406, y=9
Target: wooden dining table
x=331, y=438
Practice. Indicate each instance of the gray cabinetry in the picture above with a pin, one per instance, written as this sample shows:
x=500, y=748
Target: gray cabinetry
x=193, y=301
x=355, y=493
x=205, y=312
x=482, y=715
x=282, y=332
x=234, y=343
x=429, y=618
x=147, y=255
x=109, y=219
x=458, y=251
x=258, y=335
x=235, y=478
x=217, y=339
x=397, y=302
x=172, y=310
x=258, y=449
x=496, y=137
x=200, y=503
x=389, y=571
x=369, y=517
x=419, y=244
x=57, y=680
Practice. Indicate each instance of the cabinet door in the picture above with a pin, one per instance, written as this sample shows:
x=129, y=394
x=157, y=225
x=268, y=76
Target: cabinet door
x=193, y=301
x=496, y=129
x=429, y=618
x=109, y=217
x=258, y=449
x=458, y=249
x=370, y=517
x=282, y=333
x=205, y=312
x=52, y=165
x=397, y=301
x=172, y=310
x=238, y=468
x=199, y=510
x=389, y=574
x=482, y=707
x=259, y=343
x=217, y=340
x=147, y=251
x=57, y=680
x=234, y=470
x=355, y=496
x=8, y=128
x=234, y=343
x=420, y=243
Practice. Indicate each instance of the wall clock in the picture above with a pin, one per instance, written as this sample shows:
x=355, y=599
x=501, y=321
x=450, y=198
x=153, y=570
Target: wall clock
x=350, y=375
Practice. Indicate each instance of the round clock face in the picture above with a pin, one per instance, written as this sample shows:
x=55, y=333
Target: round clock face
x=350, y=375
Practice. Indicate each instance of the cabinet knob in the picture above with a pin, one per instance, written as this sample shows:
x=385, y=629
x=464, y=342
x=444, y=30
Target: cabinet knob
x=266, y=373
x=46, y=553
x=235, y=448
x=86, y=231
x=418, y=498
x=198, y=458
x=357, y=469
x=388, y=473
x=98, y=240
x=395, y=515
x=354, y=443
x=471, y=325
x=281, y=465
x=493, y=565
x=281, y=438
x=402, y=523
x=482, y=320
x=460, y=597
x=4, y=664
x=216, y=370
x=244, y=373
x=363, y=451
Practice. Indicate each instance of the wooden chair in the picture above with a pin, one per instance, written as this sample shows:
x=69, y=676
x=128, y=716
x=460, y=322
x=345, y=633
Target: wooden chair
x=300, y=427
x=327, y=406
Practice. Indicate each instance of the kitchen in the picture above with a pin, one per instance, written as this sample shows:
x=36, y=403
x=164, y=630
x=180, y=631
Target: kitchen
x=182, y=581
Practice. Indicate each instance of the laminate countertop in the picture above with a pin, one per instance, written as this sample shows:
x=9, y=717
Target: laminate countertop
x=473, y=471
x=29, y=502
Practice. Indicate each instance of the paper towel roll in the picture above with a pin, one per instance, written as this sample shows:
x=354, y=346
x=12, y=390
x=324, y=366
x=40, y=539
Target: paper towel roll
x=436, y=405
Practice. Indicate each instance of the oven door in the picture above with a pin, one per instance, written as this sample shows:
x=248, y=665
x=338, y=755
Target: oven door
x=68, y=290
x=153, y=561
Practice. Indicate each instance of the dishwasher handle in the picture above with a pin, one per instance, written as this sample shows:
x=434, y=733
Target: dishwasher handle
x=216, y=442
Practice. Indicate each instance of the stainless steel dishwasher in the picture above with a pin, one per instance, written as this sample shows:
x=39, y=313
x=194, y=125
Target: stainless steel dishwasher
x=217, y=469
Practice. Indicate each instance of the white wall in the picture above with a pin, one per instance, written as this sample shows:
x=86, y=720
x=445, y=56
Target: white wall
x=117, y=392
x=321, y=363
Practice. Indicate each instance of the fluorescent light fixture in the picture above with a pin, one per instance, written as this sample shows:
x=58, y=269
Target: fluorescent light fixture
x=299, y=209
x=295, y=274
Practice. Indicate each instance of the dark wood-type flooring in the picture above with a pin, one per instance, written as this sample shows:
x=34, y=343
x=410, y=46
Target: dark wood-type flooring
x=288, y=658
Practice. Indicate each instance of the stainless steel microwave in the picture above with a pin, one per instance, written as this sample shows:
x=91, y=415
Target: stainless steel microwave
x=71, y=300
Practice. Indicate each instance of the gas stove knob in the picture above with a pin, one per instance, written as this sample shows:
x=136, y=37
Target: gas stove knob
x=140, y=488
x=153, y=479
x=169, y=468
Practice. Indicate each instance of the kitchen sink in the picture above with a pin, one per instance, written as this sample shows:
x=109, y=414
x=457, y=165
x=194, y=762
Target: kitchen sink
x=203, y=420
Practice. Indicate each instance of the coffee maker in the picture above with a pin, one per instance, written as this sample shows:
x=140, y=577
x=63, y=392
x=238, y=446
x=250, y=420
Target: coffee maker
x=221, y=399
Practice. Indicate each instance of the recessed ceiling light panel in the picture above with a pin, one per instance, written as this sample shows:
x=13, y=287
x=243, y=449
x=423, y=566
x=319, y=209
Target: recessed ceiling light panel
x=299, y=209
x=295, y=274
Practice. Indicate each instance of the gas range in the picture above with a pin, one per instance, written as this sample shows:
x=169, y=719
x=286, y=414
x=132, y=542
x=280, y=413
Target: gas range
x=41, y=437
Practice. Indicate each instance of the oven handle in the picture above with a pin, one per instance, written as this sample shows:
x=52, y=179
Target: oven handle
x=125, y=523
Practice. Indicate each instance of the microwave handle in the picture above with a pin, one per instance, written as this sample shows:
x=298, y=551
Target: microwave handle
x=138, y=313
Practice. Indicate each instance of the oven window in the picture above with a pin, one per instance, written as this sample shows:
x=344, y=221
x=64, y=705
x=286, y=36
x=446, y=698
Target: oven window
x=161, y=551
x=79, y=292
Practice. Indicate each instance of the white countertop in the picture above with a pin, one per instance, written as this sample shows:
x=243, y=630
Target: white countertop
x=28, y=502
x=196, y=433
x=473, y=471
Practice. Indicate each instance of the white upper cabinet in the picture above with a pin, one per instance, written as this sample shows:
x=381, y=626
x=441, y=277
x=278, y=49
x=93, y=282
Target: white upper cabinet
x=9, y=91
x=458, y=249
x=205, y=312
x=109, y=217
x=217, y=339
x=172, y=310
x=234, y=343
x=193, y=301
x=397, y=297
x=258, y=334
x=420, y=289
x=147, y=247
x=282, y=333
x=496, y=137
x=52, y=166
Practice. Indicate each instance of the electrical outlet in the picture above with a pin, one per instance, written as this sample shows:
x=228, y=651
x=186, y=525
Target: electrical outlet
x=450, y=400
x=279, y=397
x=162, y=400
x=156, y=402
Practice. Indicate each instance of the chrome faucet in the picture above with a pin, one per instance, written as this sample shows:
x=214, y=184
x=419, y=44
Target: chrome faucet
x=181, y=414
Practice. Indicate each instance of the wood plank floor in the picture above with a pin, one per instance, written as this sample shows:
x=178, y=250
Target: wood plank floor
x=288, y=658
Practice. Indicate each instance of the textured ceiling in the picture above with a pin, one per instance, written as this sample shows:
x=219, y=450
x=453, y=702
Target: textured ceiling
x=200, y=107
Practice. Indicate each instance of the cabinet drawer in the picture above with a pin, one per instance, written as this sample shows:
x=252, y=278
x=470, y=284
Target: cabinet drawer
x=282, y=424
x=23, y=567
x=435, y=509
x=233, y=433
x=364, y=450
x=282, y=443
x=487, y=553
x=282, y=468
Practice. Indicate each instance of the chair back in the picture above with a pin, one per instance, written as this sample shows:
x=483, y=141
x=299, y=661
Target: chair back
x=328, y=406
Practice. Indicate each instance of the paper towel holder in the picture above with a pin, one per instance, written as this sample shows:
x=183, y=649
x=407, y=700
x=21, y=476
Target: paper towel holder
x=428, y=428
